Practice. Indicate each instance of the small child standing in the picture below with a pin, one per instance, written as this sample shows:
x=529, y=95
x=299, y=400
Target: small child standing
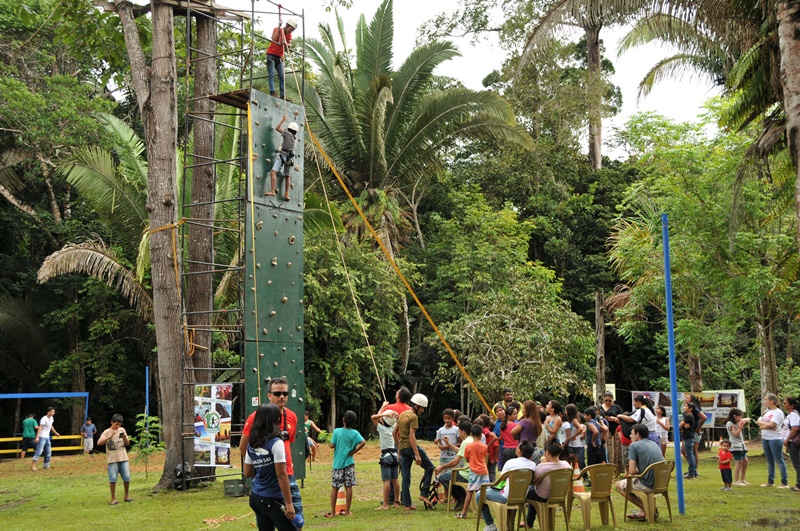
x=725, y=457
x=475, y=455
x=384, y=421
x=447, y=438
x=88, y=430
x=116, y=440
x=687, y=427
x=345, y=443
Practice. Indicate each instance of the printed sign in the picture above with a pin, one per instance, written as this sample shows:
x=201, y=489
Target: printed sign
x=212, y=424
x=715, y=404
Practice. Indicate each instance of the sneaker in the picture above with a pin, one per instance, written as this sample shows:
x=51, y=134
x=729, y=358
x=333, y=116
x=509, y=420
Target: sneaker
x=783, y=486
x=491, y=527
x=795, y=489
x=767, y=485
x=745, y=484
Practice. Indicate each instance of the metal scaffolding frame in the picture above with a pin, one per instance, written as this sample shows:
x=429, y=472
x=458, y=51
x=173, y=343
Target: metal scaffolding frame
x=235, y=71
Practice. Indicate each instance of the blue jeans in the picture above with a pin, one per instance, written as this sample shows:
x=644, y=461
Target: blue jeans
x=275, y=63
x=296, y=500
x=773, y=451
x=406, y=460
x=44, y=446
x=491, y=495
x=688, y=448
x=532, y=495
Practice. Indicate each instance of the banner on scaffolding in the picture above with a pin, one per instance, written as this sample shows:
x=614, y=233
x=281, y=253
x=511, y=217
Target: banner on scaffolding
x=715, y=404
x=212, y=424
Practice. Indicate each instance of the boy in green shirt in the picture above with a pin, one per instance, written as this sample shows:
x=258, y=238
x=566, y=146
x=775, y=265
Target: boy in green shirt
x=29, y=429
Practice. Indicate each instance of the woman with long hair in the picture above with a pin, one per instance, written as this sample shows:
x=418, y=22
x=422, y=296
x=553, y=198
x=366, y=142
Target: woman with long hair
x=576, y=440
x=734, y=427
x=510, y=444
x=662, y=428
x=699, y=419
x=609, y=410
x=790, y=428
x=529, y=428
x=265, y=462
x=541, y=492
x=770, y=423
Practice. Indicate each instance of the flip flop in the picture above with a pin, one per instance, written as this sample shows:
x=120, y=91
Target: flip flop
x=637, y=516
x=329, y=515
x=114, y=503
x=129, y=500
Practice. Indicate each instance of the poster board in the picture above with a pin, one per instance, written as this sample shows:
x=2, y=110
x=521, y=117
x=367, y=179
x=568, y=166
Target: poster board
x=212, y=424
x=715, y=404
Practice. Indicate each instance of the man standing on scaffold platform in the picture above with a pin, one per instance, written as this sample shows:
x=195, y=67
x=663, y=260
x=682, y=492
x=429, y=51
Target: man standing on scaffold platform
x=281, y=37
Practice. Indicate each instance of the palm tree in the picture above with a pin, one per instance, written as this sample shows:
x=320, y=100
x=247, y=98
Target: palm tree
x=388, y=131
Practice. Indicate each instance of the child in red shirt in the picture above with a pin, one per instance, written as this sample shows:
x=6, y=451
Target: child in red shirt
x=725, y=457
x=475, y=454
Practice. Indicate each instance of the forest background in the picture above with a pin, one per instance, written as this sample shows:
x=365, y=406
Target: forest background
x=516, y=241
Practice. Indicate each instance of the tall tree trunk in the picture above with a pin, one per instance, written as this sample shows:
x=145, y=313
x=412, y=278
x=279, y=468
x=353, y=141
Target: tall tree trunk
x=405, y=335
x=155, y=89
x=595, y=88
x=766, y=358
x=695, y=373
x=200, y=296
x=789, y=352
x=789, y=42
x=332, y=414
x=600, y=346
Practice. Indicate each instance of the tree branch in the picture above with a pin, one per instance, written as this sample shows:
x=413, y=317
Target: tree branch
x=5, y=192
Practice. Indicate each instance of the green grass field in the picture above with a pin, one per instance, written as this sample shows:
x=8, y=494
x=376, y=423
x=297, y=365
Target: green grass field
x=74, y=495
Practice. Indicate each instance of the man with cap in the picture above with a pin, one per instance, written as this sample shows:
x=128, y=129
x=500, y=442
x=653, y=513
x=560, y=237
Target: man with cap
x=281, y=37
x=405, y=436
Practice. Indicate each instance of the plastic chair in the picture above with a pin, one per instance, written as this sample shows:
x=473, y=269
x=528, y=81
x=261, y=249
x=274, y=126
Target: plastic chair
x=662, y=472
x=455, y=479
x=560, y=496
x=602, y=477
x=518, y=482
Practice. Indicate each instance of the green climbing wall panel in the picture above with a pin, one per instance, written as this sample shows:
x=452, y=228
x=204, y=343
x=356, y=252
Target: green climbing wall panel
x=274, y=265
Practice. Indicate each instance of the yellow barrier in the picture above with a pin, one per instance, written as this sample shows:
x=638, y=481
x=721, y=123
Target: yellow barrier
x=52, y=445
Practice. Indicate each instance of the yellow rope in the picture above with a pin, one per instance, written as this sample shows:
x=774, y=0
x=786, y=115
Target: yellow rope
x=397, y=270
x=346, y=270
x=253, y=239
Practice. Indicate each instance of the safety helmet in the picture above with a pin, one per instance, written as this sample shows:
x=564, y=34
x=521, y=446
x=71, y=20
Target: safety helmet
x=292, y=127
x=419, y=400
x=390, y=420
x=292, y=22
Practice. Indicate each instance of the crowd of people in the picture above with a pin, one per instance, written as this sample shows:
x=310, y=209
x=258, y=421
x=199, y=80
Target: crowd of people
x=515, y=436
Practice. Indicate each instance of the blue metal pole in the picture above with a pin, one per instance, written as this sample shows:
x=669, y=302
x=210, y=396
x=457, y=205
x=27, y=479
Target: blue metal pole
x=673, y=376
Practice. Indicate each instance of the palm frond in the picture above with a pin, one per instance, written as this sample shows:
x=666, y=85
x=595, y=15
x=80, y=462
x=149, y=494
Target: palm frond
x=676, y=67
x=376, y=100
x=93, y=258
x=374, y=54
x=8, y=177
x=411, y=80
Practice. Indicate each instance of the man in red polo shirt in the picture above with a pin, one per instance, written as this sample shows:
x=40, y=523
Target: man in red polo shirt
x=278, y=394
x=281, y=37
x=402, y=397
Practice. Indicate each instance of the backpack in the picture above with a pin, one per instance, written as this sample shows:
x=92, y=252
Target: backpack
x=626, y=426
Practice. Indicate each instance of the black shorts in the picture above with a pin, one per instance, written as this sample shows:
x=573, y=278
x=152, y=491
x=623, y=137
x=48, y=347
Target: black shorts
x=727, y=476
x=28, y=444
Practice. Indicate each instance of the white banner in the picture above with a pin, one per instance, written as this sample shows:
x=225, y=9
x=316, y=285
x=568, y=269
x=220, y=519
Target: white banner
x=715, y=404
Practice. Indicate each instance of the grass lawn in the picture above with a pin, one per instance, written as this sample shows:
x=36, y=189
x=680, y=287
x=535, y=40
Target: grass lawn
x=74, y=495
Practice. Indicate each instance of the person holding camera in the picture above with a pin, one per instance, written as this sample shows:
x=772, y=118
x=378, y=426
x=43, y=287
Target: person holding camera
x=278, y=395
x=115, y=440
x=265, y=462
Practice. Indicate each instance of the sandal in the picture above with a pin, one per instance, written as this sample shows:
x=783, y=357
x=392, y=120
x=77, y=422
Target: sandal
x=637, y=516
x=329, y=515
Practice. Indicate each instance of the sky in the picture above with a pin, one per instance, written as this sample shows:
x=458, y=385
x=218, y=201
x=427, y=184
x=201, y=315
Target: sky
x=679, y=100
